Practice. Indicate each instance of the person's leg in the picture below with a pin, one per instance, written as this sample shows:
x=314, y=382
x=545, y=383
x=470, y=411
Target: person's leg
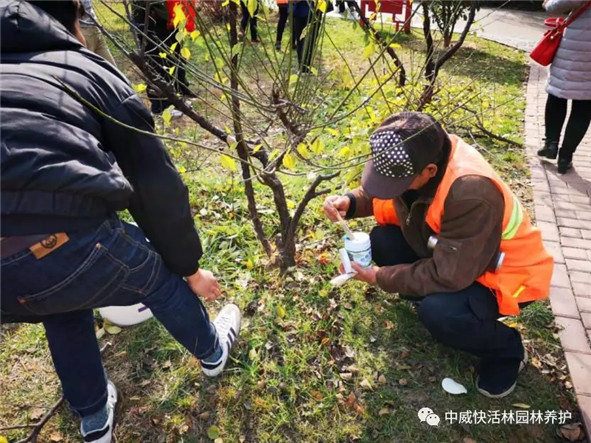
x=283, y=14
x=467, y=320
x=389, y=248
x=577, y=126
x=310, y=41
x=102, y=48
x=554, y=117
x=253, y=26
x=299, y=23
x=245, y=16
x=77, y=360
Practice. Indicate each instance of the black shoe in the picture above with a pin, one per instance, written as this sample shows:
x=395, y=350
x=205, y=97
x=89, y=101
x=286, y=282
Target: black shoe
x=550, y=150
x=498, y=378
x=564, y=164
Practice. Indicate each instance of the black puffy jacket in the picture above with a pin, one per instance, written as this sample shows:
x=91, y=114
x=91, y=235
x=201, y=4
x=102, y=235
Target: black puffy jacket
x=64, y=165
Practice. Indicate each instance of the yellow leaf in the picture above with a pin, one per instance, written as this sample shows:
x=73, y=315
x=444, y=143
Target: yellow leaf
x=345, y=151
x=186, y=53
x=256, y=149
x=3, y=439
x=369, y=50
x=228, y=162
x=314, y=71
x=288, y=161
x=322, y=5
x=395, y=46
x=182, y=169
x=249, y=264
x=166, y=117
x=252, y=7
x=333, y=132
x=171, y=70
x=178, y=15
x=317, y=147
x=173, y=47
x=226, y=3
x=293, y=78
x=194, y=35
x=291, y=204
x=228, y=27
x=163, y=54
x=303, y=150
x=280, y=311
x=139, y=87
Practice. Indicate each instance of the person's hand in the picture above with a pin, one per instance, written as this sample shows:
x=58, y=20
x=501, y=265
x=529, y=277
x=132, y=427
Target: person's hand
x=336, y=204
x=204, y=284
x=368, y=275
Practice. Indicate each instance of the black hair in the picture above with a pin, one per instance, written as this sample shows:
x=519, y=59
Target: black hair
x=66, y=12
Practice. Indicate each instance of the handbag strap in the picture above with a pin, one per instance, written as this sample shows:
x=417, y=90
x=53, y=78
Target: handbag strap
x=573, y=16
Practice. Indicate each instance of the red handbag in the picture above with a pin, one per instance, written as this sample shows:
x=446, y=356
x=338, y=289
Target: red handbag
x=545, y=50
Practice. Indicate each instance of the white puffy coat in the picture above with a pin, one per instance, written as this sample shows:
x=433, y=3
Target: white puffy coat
x=570, y=72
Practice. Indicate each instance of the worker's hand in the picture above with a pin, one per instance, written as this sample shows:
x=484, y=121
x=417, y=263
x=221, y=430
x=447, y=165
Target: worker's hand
x=368, y=275
x=204, y=284
x=336, y=204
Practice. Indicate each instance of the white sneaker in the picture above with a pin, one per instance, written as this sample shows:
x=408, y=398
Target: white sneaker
x=227, y=325
x=105, y=434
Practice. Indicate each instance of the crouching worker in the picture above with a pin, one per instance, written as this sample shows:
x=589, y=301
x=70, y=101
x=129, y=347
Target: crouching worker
x=454, y=235
x=65, y=171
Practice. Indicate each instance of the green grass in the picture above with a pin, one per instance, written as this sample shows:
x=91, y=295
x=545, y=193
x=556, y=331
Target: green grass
x=312, y=363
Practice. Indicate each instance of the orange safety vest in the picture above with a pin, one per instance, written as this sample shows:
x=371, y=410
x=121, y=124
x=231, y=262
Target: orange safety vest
x=282, y=2
x=526, y=271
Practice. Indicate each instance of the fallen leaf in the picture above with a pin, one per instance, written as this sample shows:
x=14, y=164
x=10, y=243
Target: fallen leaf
x=403, y=367
x=100, y=333
x=204, y=415
x=280, y=311
x=36, y=413
x=346, y=375
x=145, y=383
x=468, y=440
x=218, y=440
x=317, y=395
x=155, y=421
x=184, y=429
x=3, y=439
x=112, y=329
x=167, y=365
x=213, y=432
x=242, y=439
x=403, y=382
x=572, y=431
x=56, y=436
x=521, y=405
x=135, y=398
x=388, y=324
x=365, y=384
x=382, y=378
x=384, y=411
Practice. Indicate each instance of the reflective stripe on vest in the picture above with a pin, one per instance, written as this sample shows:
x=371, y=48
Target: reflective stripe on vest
x=527, y=268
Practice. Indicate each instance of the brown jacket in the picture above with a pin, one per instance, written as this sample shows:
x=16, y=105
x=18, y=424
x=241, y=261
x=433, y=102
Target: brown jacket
x=468, y=244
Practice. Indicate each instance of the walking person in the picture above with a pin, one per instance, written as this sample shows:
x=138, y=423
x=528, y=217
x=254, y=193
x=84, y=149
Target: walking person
x=95, y=41
x=305, y=15
x=248, y=19
x=570, y=79
x=453, y=236
x=66, y=170
x=283, y=6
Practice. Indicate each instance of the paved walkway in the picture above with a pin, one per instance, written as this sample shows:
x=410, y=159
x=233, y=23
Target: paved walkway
x=563, y=213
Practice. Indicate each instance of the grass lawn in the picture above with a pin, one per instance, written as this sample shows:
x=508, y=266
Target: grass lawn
x=313, y=363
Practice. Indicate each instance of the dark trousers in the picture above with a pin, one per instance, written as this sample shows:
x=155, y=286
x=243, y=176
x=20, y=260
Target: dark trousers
x=578, y=123
x=306, y=46
x=283, y=15
x=160, y=40
x=465, y=320
x=246, y=19
x=113, y=265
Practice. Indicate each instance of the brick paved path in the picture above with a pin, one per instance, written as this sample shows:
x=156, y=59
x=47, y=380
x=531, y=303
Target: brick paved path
x=563, y=213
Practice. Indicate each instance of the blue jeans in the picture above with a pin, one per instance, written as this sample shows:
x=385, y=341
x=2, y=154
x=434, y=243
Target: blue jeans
x=113, y=265
x=465, y=320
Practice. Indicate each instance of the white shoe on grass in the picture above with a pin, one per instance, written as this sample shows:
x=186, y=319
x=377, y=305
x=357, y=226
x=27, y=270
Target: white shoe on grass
x=105, y=434
x=227, y=325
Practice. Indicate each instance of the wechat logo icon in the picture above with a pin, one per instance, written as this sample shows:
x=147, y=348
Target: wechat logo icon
x=427, y=415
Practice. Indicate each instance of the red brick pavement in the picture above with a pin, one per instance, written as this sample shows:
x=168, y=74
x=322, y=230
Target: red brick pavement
x=563, y=213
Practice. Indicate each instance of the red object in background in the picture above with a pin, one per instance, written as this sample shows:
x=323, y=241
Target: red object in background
x=394, y=7
x=187, y=8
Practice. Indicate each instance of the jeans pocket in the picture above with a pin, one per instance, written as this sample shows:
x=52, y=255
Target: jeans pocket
x=96, y=277
x=483, y=303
